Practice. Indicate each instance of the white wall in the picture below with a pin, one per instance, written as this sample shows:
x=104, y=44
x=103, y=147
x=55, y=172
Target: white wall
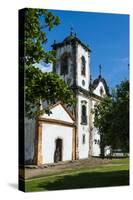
x=83, y=149
x=107, y=150
x=70, y=76
x=50, y=132
x=82, y=52
x=95, y=146
x=29, y=139
x=58, y=113
x=97, y=89
x=95, y=136
x=60, y=51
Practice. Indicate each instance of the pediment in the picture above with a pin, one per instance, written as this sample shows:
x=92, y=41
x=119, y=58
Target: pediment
x=100, y=90
x=59, y=112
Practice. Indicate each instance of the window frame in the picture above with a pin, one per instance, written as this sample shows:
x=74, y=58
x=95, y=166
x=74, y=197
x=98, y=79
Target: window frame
x=83, y=66
x=83, y=114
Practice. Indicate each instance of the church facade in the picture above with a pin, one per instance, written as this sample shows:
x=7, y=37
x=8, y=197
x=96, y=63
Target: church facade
x=68, y=133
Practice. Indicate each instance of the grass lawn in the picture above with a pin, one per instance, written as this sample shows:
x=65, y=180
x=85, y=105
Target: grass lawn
x=115, y=173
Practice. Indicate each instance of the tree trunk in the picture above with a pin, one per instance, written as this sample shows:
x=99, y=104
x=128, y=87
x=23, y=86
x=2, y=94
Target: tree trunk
x=102, y=152
x=102, y=146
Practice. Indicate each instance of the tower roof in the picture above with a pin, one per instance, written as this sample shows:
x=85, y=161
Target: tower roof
x=71, y=39
x=96, y=82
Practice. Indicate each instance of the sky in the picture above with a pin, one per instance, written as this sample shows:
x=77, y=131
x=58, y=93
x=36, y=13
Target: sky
x=107, y=36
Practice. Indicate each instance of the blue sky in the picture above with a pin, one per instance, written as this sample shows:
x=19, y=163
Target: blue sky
x=107, y=36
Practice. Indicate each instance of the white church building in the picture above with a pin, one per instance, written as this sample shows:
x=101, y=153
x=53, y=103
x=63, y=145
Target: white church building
x=68, y=133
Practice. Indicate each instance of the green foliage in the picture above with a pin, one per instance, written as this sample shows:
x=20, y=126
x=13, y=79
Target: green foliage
x=47, y=87
x=114, y=173
x=35, y=25
x=39, y=86
x=112, y=118
x=121, y=115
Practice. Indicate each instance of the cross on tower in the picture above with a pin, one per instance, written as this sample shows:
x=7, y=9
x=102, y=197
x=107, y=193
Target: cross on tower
x=100, y=70
x=71, y=30
x=72, y=33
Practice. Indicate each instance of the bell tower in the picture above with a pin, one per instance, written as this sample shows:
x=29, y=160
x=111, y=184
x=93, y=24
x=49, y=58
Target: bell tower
x=73, y=66
x=73, y=61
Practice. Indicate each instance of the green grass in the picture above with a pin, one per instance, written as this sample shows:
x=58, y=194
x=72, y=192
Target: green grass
x=116, y=173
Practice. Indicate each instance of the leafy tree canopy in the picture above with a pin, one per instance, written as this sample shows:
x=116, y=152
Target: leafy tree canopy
x=39, y=86
x=47, y=87
x=112, y=118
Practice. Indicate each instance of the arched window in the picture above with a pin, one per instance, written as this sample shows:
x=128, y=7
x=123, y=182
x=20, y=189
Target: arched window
x=64, y=64
x=83, y=110
x=83, y=66
x=83, y=115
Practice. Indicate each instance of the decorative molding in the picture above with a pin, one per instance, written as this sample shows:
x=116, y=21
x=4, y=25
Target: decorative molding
x=38, y=144
x=60, y=103
x=69, y=41
x=97, y=81
x=55, y=121
x=96, y=97
x=83, y=102
x=80, y=90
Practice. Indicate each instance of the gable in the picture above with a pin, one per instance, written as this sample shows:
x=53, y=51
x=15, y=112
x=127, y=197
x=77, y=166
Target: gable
x=59, y=113
x=98, y=89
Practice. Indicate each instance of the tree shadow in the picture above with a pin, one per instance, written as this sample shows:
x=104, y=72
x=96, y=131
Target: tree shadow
x=87, y=180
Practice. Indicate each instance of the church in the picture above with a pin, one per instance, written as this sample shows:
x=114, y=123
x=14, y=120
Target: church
x=68, y=133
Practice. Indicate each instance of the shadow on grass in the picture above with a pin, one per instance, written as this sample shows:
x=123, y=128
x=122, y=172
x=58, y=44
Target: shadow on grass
x=86, y=180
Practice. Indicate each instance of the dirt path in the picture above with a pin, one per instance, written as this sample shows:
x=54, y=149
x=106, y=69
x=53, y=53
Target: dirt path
x=33, y=171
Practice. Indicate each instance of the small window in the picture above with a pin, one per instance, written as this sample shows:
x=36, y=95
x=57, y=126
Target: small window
x=83, y=66
x=83, y=139
x=83, y=82
x=95, y=141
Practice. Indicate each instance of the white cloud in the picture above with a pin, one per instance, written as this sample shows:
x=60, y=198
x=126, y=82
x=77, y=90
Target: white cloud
x=44, y=66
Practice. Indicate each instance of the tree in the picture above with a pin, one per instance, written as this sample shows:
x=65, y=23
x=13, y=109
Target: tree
x=111, y=117
x=120, y=125
x=102, y=119
x=39, y=86
x=47, y=87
